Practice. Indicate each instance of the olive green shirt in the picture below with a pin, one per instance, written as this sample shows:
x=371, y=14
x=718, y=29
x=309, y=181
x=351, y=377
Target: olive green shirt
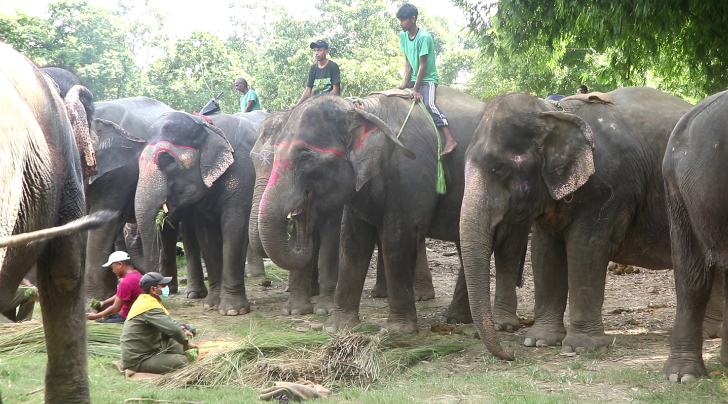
x=141, y=337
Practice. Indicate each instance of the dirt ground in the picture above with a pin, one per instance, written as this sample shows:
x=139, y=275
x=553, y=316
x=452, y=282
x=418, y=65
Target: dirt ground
x=638, y=310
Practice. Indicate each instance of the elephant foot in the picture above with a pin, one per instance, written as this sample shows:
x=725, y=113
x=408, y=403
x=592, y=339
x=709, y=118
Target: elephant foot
x=681, y=369
x=212, y=301
x=504, y=321
x=324, y=306
x=379, y=291
x=424, y=292
x=233, y=306
x=580, y=343
x=254, y=271
x=545, y=335
x=297, y=307
x=338, y=320
x=711, y=329
x=402, y=326
x=457, y=314
x=196, y=292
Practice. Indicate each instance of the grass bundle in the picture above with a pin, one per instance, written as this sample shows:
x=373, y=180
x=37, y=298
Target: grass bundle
x=346, y=360
x=24, y=338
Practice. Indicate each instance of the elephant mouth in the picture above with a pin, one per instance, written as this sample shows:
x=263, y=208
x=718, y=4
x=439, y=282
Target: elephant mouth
x=297, y=230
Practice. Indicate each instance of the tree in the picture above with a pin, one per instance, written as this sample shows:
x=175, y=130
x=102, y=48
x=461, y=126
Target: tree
x=677, y=46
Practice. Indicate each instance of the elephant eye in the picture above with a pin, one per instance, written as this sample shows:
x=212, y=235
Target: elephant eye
x=499, y=168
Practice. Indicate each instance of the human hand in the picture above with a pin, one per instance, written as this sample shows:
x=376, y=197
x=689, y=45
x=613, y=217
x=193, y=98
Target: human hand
x=292, y=107
x=189, y=346
x=402, y=87
x=415, y=95
x=92, y=316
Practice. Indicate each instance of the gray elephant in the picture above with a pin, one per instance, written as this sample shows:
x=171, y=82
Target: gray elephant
x=589, y=177
x=190, y=164
x=694, y=175
x=43, y=187
x=338, y=155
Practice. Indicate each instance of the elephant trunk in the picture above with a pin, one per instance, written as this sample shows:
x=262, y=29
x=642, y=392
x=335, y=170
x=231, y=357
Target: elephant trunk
x=256, y=245
x=284, y=228
x=477, y=229
x=149, y=198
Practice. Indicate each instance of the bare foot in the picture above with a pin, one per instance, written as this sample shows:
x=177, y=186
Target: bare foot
x=449, y=147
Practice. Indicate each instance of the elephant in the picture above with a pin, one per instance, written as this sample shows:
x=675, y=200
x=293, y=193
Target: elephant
x=696, y=204
x=337, y=155
x=190, y=164
x=589, y=180
x=42, y=187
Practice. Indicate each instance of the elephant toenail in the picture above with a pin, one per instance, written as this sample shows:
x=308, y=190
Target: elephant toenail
x=509, y=327
x=295, y=312
x=331, y=330
x=567, y=349
x=542, y=343
x=580, y=350
x=674, y=377
x=687, y=378
x=498, y=327
x=528, y=342
x=320, y=312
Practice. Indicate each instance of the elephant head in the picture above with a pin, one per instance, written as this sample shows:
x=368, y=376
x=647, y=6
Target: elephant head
x=326, y=151
x=524, y=157
x=177, y=168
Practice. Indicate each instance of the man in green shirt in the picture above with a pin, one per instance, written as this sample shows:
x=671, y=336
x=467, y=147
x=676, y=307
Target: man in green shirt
x=420, y=73
x=151, y=342
x=249, y=100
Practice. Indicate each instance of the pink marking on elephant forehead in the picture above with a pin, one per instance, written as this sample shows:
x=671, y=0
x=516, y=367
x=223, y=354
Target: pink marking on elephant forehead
x=273, y=175
x=161, y=149
x=364, y=134
x=261, y=206
x=321, y=149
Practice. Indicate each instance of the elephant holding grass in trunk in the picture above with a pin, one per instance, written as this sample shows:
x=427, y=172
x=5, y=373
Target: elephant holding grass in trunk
x=190, y=164
x=694, y=169
x=338, y=155
x=42, y=187
x=589, y=178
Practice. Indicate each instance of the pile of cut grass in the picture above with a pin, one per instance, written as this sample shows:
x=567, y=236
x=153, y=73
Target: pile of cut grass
x=25, y=338
x=334, y=361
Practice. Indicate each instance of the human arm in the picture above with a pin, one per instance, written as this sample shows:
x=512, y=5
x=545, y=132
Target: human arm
x=108, y=301
x=407, y=74
x=249, y=107
x=336, y=90
x=420, y=76
x=114, y=308
x=306, y=94
x=167, y=326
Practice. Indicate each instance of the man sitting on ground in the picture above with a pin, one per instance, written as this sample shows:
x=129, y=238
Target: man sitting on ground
x=126, y=293
x=151, y=342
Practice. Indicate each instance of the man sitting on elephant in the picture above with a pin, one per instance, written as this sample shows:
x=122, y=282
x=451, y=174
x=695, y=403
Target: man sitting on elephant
x=126, y=293
x=151, y=342
x=420, y=73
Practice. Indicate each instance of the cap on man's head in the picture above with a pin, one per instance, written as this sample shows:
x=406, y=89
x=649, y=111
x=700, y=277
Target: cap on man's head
x=153, y=279
x=117, y=256
x=319, y=44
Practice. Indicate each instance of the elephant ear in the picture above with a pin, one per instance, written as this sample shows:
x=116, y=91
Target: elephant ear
x=115, y=148
x=367, y=155
x=567, y=150
x=216, y=155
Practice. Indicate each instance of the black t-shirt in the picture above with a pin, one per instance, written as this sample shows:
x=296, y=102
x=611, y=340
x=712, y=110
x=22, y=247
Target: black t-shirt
x=322, y=81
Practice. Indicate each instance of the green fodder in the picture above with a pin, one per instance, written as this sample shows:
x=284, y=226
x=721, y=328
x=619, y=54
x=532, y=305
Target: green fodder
x=345, y=360
x=24, y=338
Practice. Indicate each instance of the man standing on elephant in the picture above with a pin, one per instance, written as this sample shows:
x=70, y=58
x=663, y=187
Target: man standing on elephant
x=323, y=76
x=420, y=73
x=126, y=293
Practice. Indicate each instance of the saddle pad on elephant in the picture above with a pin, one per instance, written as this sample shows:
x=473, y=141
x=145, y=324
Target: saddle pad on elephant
x=595, y=97
x=395, y=92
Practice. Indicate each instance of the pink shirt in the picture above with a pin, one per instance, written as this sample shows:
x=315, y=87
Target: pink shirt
x=128, y=291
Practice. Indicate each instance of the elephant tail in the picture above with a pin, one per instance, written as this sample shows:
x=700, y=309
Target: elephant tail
x=84, y=223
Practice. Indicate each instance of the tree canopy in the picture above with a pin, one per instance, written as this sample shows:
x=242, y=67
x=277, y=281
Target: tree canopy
x=677, y=46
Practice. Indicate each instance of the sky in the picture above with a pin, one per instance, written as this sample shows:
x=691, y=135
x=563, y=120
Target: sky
x=211, y=15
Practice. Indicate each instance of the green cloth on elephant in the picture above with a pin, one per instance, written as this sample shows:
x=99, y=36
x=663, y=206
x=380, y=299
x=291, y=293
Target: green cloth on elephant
x=421, y=45
x=146, y=336
x=249, y=96
x=24, y=302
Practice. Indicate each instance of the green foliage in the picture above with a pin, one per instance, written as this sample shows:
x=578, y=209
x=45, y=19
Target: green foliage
x=676, y=46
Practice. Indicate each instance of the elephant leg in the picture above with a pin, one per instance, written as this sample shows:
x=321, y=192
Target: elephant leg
x=101, y=281
x=357, y=244
x=424, y=290
x=459, y=309
x=210, y=239
x=61, y=286
x=588, y=257
x=254, y=266
x=380, y=288
x=510, y=254
x=328, y=264
x=299, y=284
x=196, y=288
x=713, y=322
x=400, y=258
x=550, y=275
x=168, y=264
x=234, y=227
